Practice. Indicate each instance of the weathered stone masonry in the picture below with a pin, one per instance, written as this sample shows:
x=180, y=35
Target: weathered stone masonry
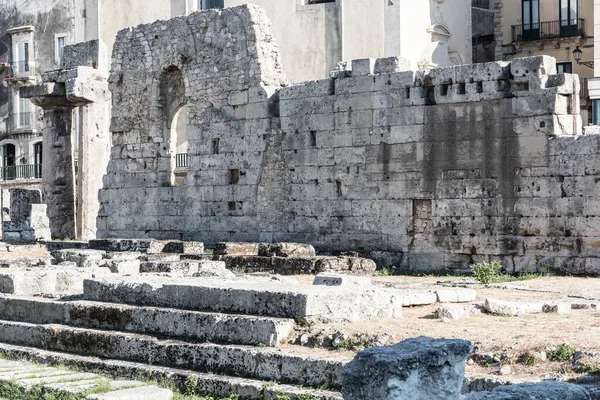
x=447, y=168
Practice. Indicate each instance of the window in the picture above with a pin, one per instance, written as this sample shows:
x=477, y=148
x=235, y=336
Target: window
x=60, y=40
x=564, y=68
x=596, y=112
x=37, y=160
x=568, y=18
x=9, y=168
x=531, y=19
x=22, y=51
x=207, y=4
x=24, y=113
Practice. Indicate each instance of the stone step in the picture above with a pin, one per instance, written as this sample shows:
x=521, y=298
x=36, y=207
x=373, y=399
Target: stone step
x=32, y=380
x=306, y=265
x=199, y=326
x=273, y=299
x=203, y=383
x=234, y=360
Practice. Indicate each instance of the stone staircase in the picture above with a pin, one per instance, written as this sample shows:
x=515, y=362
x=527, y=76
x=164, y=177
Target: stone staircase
x=125, y=328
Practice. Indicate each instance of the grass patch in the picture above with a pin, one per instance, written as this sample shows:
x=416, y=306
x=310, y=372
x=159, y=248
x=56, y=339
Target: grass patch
x=564, y=352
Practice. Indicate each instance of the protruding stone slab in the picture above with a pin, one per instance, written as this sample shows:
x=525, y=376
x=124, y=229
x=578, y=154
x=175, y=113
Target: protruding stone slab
x=246, y=297
x=455, y=295
x=299, y=265
x=416, y=369
x=113, y=245
x=235, y=248
x=82, y=257
x=512, y=308
x=286, y=250
x=210, y=327
x=329, y=279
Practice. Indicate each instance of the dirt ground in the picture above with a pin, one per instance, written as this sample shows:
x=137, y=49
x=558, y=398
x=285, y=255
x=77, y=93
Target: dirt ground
x=499, y=340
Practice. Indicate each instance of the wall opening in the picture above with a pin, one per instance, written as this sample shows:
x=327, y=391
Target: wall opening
x=173, y=100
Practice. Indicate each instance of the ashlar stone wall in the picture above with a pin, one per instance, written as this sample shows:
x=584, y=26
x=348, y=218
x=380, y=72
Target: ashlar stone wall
x=443, y=169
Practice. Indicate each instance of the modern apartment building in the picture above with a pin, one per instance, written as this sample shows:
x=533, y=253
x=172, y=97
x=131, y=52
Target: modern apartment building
x=563, y=29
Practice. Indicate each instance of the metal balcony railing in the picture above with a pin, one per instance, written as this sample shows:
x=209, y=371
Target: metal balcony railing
x=181, y=160
x=21, y=69
x=22, y=120
x=21, y=172
x=548, y=30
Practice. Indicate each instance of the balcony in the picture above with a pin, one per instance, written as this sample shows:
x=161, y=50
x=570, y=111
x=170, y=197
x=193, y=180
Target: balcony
x=22, y=121
x=549, y=30
x=21, y=70
x=181, y=160
x=21, y=172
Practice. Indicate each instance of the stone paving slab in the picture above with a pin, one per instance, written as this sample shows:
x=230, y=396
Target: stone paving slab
x=250, y=362
x=212, y=327
x=217, y=385
x=62, y=382
x=246, y=297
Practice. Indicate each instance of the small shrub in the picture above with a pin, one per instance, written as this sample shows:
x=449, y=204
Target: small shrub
x=485, y=272
x=531, y=360
x=564, y=352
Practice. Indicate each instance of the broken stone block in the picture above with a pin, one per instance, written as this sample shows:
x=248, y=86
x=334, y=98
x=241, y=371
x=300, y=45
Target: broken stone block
x=236, y=248
x=329, y=279
x=286, y=250
x=420, y=368
x=365, y=66
x=122, y=267
x=353, y=265
x=391, y=64
x=557, y=308
x=113, y=245
x=452, y=311
x=512, y=308
x=214, y=269
x=186, y=268
x=21, y=201
x=455, y=295
x=84, y=258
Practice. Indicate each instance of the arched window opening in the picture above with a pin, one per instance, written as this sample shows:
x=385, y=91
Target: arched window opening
x=172, y=97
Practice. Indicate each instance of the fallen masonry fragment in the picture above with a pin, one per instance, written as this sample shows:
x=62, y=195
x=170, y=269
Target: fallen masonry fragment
x=426, y=368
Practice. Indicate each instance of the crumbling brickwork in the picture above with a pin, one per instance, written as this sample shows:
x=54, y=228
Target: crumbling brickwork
x=445, y=168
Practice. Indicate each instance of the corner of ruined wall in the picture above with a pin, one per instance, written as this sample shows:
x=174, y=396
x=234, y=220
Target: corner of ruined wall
x=267, y=49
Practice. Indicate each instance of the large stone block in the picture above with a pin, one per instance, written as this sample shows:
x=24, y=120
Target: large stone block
x=267, y=299
x=416, y=369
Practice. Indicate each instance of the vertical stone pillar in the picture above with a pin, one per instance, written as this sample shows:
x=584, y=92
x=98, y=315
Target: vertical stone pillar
x=73, y=205
x=58, y=174
x=94, y=154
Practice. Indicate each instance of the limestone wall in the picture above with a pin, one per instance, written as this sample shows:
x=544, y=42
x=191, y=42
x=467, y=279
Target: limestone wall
x=455, y=166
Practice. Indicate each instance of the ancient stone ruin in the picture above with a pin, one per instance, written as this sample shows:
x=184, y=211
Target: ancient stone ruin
x=284, y=184
x=438, y=169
